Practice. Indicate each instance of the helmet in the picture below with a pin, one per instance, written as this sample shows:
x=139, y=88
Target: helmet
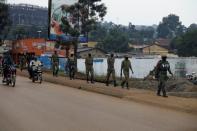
x=126, y=56
x=163, y=56
x=35, y=58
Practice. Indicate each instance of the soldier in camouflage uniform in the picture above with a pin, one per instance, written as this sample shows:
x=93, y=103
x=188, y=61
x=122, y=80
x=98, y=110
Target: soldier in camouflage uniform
x=111, y=70
x=71, y=66
x=162, y=68
x=125, y=66
x=55, y=63
x=89, y=68
x=22, y=62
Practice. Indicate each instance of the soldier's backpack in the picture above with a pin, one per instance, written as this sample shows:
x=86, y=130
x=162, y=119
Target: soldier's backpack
x=161, y=66
x=164, y=66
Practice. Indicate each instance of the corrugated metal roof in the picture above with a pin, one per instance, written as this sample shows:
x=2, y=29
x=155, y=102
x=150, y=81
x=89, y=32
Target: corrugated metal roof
x=83, y=49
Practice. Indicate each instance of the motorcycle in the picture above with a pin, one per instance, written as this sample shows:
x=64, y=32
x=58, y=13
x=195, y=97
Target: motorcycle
x=10, y=78
x=192, y=77
x=1, y=69
x=37, y=73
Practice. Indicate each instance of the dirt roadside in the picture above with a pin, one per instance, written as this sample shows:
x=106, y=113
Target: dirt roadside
x=188, y=105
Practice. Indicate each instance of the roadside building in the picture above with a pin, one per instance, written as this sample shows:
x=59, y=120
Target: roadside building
x=137, y=49
x=31, y=20
x=38, y=47
x=163, y=42
x=28, y=15
x=154, y=49
x=160, y=46
x=28, y=47
x=96, y=52
x=90, y=44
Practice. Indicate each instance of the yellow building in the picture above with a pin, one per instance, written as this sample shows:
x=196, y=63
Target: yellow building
x=155, y=49
x=90, y=44
x=95, y=52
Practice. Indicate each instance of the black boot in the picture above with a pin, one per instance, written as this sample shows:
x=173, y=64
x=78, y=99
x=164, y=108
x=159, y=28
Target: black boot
x=115, y=84
x=92, y=80
x=159, y=90
x=127, y=84
x=164, y=93
x=87, y=79
x=122, y=84
x=107, y=83
x=158, y=94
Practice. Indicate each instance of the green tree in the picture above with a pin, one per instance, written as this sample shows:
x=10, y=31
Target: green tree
x=4, y=22
x=99, y=33
x=170, y=27
x=112, y=37
x=85, y=14
x=186, y=44
x=116, y=40
x=192, y=27
x=145, y=35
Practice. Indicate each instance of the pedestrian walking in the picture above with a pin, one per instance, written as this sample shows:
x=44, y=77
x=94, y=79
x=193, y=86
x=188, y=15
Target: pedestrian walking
x=125, y=67
x=89, y=68
x=55, y=63
x=66, y=66
x=71, y=66
x=30, y=57
x=111, y=70
x=162, y=68
x=22, y=62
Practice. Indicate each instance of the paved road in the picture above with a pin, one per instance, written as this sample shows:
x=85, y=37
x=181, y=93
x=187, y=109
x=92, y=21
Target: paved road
x=49, y=107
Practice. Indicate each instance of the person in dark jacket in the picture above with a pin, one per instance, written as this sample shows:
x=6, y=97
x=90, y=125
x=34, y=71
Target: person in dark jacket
x=162, y=68
x=7, y=62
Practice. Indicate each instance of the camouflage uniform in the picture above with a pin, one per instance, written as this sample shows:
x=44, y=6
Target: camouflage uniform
x=125, y=66
x=89, y=68
x=22, y=62
x=161, y=71
x=55, y=64
x=110, y=70
x=71, y=66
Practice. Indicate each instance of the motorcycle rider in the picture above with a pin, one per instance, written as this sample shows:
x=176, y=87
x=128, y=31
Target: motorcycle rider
x=34, y=64
x=7, y=62
x=30, y=58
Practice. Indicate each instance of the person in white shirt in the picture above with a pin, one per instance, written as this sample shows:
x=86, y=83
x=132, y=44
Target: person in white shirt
x=34, y=65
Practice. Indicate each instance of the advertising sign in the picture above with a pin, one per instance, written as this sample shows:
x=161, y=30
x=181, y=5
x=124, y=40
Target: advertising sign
x=57, y=11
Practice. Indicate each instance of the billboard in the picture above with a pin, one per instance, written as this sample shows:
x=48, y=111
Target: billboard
x=56, y=13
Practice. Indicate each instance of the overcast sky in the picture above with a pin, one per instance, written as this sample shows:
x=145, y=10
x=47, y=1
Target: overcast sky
x=141, y=12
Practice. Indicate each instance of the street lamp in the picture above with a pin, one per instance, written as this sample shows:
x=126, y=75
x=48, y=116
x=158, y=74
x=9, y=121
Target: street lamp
x=39, y=32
